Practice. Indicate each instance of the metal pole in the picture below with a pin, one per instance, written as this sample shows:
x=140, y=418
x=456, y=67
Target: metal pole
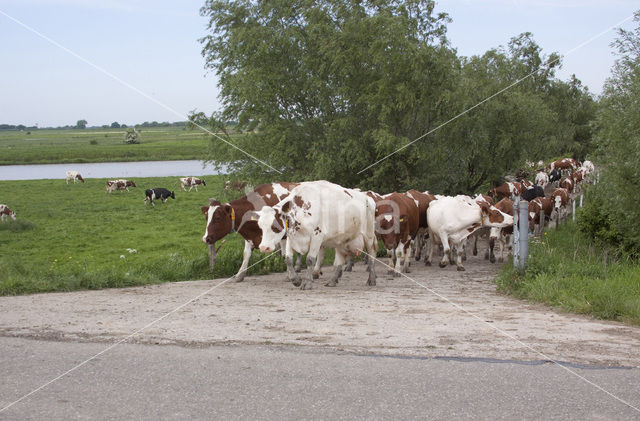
x=573, y=210
x=516, y=232
x=581, y=197
x=523, y=234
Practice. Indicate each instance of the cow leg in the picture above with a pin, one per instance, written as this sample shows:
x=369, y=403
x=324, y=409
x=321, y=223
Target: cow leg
x=492, y=244
x=432, y=246
x=459, y=256
x=475, y=244
x=246, y=254
x=407, y=257
x=393, y=258
x=349, y=264
x=317, y=270
x=312, y=258
x=337, y=264
x=446, y=257
x=371, y=262
x=298, y=267
x=464, y=250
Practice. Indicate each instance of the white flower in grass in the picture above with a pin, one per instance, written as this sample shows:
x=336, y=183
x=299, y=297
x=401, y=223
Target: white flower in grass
x=132, y=250
x=122, y=256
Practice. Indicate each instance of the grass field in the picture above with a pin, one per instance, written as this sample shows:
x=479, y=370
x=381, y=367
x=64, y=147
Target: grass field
x=69, y=237
x=567, y=271
x=48, y=146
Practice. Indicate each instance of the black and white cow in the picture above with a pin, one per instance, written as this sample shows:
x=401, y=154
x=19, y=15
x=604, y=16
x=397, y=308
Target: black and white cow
x=532, y=192
x=158, y=193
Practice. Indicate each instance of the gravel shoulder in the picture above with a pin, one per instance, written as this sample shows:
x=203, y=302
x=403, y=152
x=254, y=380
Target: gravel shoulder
x=438, y=312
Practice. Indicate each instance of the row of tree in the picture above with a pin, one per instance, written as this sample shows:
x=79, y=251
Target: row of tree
x=82, y=124
x=327, y=88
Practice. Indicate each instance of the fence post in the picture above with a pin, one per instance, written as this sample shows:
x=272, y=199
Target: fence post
x=581, y=197
x=541, y=225
x=523, y=228
x=212, y=257
x=573, y=210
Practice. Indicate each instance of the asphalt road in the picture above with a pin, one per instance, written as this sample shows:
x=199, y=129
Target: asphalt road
x=155, y=382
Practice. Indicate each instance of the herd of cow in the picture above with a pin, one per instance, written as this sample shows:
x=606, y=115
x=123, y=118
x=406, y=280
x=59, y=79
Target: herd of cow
x=308, y=217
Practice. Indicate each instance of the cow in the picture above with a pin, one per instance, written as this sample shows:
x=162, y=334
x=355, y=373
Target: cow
x=565, y=165
x=508, y=190
x=191, y=182
x=234, y=185
x=501, y=235
x=560, y=199
x=5, y=211
x=158, y=193
x=238, y=216
x=422, y=200
x=452, y=219
x=73, y=176
x=535, y=206
x=481, y=199
x=397, y=222
x=542, y=179
x=113, y=185
x=320, y=214
x=568, y=184
x=533, y=192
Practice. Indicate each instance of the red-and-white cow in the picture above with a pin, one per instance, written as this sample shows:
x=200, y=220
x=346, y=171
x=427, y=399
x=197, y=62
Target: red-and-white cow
x=535, y=206
x=113, y=185
x=568, y=184
x=191, y=182
x=452, y=219
x=238, y=215
x=560, y=199
x=508, y=190
x=73, y=176
x=501, y=235
x=5, y=211
x=542, y=179
x=321, y=214
x=397, y=223
x=565, y=165
x=422, y=200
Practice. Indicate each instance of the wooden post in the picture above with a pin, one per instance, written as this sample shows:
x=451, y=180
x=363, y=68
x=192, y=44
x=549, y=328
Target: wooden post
x=541, y=225
x=212, y=257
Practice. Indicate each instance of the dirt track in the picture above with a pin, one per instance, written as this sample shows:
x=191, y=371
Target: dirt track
x=398, y=316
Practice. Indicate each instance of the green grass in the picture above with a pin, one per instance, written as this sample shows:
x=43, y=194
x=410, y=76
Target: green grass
x=47, y=146
x=567, y=271
x=69, y=237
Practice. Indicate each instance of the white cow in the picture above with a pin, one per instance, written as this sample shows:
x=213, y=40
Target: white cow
x=542, y=179
x=73, y=176
x=452, y=219
x=316, y=215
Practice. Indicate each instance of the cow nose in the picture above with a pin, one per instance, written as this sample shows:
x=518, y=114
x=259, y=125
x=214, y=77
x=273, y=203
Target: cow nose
x=264, y=249
x=208, y=240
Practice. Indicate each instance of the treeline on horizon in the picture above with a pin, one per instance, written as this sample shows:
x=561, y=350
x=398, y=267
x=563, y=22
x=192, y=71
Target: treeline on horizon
x=114, y=125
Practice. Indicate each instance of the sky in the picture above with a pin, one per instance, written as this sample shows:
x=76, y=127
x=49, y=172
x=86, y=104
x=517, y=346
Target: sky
x=132, y=61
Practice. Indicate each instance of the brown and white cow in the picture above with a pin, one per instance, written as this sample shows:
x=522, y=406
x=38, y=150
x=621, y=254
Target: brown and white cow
x=542, y=179
x=560, y=199
x=191, y=182
x=535, y=206
x=565, y=165
x=5, y=211
x=568, y=184
x=73, y=176
x=238, y=215
x=452, y=219
x=422, y=200
x=113, y=185
x=508, y=190
x=397, y=222
x=501, y=235
x=321, y=214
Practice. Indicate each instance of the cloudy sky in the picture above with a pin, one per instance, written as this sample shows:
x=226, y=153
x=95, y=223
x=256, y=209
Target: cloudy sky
x=139, y=60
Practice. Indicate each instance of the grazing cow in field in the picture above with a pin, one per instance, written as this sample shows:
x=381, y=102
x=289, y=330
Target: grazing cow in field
x=560, y=199
x=234, y=185
x=422, y=200
x=565, y=165
x=542, y=179
x=535, y=206
x=191, y=182
x=321, y=214
x=239, y=216
x=5, y=211
x=73, y=176
x=158, y=193
x=397, y=223
x=452, y=219
x=113, y=185
x=532, y=193
x=508, y=190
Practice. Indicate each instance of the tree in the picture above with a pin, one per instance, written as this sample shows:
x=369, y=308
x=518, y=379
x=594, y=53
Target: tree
x=131, y=136
x=81, y=124
x=115, y=125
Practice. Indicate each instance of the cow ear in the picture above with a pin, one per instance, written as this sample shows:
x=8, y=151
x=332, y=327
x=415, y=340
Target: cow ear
x=205, y=209
x=484, y=208
x=286, y=207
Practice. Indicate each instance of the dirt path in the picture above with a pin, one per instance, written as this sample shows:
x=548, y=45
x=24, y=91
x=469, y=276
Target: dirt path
x=396, y=317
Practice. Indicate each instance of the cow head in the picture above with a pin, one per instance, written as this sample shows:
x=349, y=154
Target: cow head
x=131, y=184
x=79, y=177
x=274, y=221
x=203, y=183
x=220, y=220
x=389, y=222
x=494, y=217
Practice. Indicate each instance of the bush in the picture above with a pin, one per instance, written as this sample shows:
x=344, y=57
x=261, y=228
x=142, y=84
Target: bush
x=132, y=136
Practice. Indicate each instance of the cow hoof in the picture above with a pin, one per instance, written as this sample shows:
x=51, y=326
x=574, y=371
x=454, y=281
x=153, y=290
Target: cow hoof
x=315, y=276
x=238, y=278
x=417, y=258
x=492, y=259
x=461, y=269
x=443, y=264
x=297, y=282
x=427, y=263
x=306, y=285
x=331, y=284
x=371, y=282
x=390, y=272
x=396, y=274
